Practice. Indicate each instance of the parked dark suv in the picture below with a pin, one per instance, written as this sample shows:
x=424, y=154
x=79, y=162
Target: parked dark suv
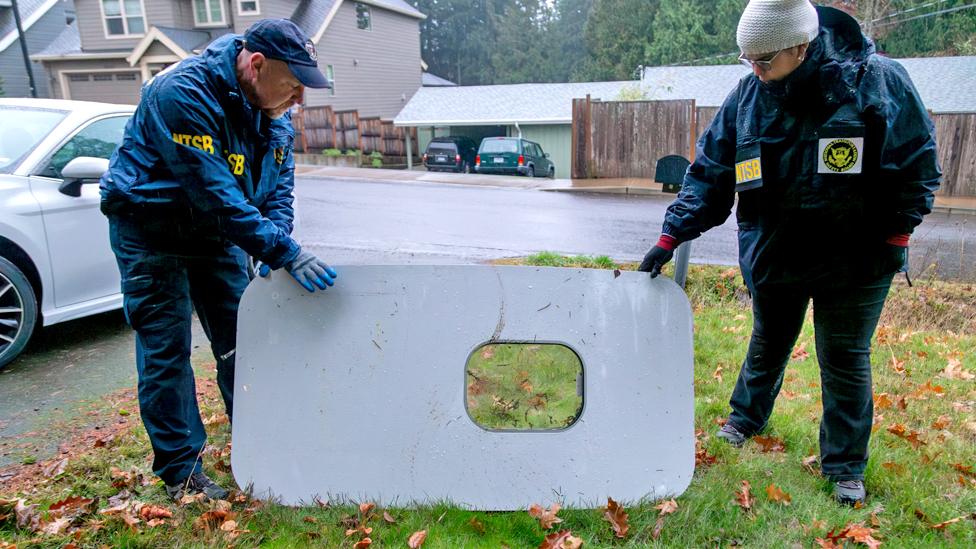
x=453, y=154
x=513, y=155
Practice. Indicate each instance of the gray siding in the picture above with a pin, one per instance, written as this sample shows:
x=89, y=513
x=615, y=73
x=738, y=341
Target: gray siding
x=54, y=69
x=165, y=13
x=269, y=9
x=555, y=139
x=376, y=71
x=40, y=34
x=158, y=49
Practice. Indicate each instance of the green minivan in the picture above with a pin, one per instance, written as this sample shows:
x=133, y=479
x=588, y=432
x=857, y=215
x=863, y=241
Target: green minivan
x=513, y=155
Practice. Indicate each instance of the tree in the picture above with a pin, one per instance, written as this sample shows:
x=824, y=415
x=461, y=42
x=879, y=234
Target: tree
x=616, y=35
x=686, y=31
x=565, y=38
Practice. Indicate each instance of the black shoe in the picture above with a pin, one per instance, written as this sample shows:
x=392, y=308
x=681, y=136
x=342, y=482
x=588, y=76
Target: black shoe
x=849, y=492
x=730, y=434
x=197, y=483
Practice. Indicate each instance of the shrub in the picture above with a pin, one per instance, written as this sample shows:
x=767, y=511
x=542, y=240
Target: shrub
x=332, y=152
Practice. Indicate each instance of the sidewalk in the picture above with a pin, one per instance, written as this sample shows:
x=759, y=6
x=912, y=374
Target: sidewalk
x=958, y=205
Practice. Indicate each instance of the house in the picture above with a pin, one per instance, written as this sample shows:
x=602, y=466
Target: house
x=539, y=112
x=42, y=21
x=369, y=48
x=543, y=112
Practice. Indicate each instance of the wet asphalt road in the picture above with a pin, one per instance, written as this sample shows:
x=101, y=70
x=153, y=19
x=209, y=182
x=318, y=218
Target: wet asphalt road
x=368, y=222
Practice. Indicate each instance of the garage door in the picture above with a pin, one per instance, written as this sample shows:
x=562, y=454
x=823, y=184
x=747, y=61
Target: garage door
x=108, y=87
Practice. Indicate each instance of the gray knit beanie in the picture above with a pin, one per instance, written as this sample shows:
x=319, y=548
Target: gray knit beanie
x=767, y=26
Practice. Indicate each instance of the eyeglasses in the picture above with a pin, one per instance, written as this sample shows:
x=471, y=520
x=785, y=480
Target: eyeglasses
x=763, y=64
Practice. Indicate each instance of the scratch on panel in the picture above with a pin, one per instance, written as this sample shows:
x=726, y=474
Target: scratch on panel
x=501, y=310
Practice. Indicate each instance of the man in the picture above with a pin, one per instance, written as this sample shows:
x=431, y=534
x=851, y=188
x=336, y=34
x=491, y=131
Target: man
x=833, y=157
x=204, y=178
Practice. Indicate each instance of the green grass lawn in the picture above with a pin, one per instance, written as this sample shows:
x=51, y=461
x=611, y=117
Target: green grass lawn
x=921, y=471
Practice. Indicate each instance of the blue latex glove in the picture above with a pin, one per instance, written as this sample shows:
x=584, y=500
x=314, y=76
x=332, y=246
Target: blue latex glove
x=262, y=269
x=311, y=271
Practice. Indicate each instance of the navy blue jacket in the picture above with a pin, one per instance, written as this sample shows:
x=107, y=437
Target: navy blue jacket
x=828, y=164
x=199, y=159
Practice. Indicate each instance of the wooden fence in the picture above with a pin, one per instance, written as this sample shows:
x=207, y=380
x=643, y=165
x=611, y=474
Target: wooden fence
x=319, y=128
x=625, y=138
x=955, y=135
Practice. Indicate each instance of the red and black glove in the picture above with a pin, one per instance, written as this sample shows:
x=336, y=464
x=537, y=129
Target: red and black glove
x=659, y=255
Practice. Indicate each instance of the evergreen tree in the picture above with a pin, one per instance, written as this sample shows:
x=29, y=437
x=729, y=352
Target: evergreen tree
x=616, y=35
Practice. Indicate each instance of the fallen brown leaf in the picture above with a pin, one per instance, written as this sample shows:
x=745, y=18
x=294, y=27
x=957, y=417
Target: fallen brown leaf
x=667, y=507
x=416, y=539
x=800, y=352
x=810, y=464
x=964, y=469
x=617, y=517
x=477, y=525
x=777, y=495
x=561, y=540
x=310, y=520
x=366, y=507
x=882, y=401
x=894, y=467
x=388, y=517
x=71, y=506
x=546, y=518
x=150, y=512
x=941, y=423
x=55, y=468
x=213, y=519
x=363, y=543
x=954, y=370
x=769, y=444
x=743, y=497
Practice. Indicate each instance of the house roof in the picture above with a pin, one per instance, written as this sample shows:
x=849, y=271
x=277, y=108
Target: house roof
x=429, y=79
x=946, y=84
x=310, y=15
x=68, y=42
x=30, y=12
x=501, y=105
x=313, y=16
x=191, y=39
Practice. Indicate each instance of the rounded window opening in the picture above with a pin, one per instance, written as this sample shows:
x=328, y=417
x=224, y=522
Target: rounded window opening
x=524, y=386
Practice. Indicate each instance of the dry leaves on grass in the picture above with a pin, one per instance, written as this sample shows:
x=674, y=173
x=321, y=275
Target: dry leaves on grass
x=744, y=497
x=810, y=465
x=665, y=508
x=546, y=518
x=614, y=514
x=910, y=435
x=800, y=352
x=417, y=539
x=777, y=495
x=770, y=443
x=954, y=370
x=856, y=533
x=941, y=423
x=214, y=520
x=561, y=540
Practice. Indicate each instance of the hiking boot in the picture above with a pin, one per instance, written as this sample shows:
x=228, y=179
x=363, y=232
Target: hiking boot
x=849, y=492
x=730, y=434
x=197, y=483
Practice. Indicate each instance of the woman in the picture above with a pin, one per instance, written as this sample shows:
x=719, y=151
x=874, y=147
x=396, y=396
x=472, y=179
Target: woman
x=833, y=158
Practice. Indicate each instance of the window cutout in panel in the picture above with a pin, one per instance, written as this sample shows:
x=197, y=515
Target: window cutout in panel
x=524, y=386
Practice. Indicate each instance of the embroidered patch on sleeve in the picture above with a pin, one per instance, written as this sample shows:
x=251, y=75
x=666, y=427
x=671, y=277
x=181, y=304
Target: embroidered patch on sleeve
x=748, y=170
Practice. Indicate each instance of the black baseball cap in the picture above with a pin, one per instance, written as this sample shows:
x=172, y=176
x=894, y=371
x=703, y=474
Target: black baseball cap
x=282, y=40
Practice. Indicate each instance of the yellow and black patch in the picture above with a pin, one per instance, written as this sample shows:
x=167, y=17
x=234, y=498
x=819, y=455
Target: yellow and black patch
x=202, y=142
x=840, y=155
x=748, y=170
x=279, y=155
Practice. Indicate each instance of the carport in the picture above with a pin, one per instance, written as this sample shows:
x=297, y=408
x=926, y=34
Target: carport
x=538, y=112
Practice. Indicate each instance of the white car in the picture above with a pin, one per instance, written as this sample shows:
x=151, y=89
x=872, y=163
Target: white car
x=56, y=263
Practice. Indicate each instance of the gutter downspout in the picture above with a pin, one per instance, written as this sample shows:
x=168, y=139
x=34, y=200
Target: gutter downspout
x=23, y=49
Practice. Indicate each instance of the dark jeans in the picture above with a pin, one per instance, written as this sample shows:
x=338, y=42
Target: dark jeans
x=160, y=289
x=844, y=321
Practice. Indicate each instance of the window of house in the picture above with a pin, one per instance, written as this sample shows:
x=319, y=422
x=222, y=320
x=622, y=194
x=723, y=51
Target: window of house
x=363, y=17
x=123, y=17
x=248, y=7
x=103, y=77
x=125, y=76
x=208, y=12
x=78, y=77
x=330, y=74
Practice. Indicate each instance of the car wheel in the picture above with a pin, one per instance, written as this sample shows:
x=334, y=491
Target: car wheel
x=552, y=173
x=18, y=311
x=466, y=168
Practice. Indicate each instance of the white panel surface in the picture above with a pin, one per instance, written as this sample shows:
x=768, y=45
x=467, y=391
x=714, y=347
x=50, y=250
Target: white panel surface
x=358, y=393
